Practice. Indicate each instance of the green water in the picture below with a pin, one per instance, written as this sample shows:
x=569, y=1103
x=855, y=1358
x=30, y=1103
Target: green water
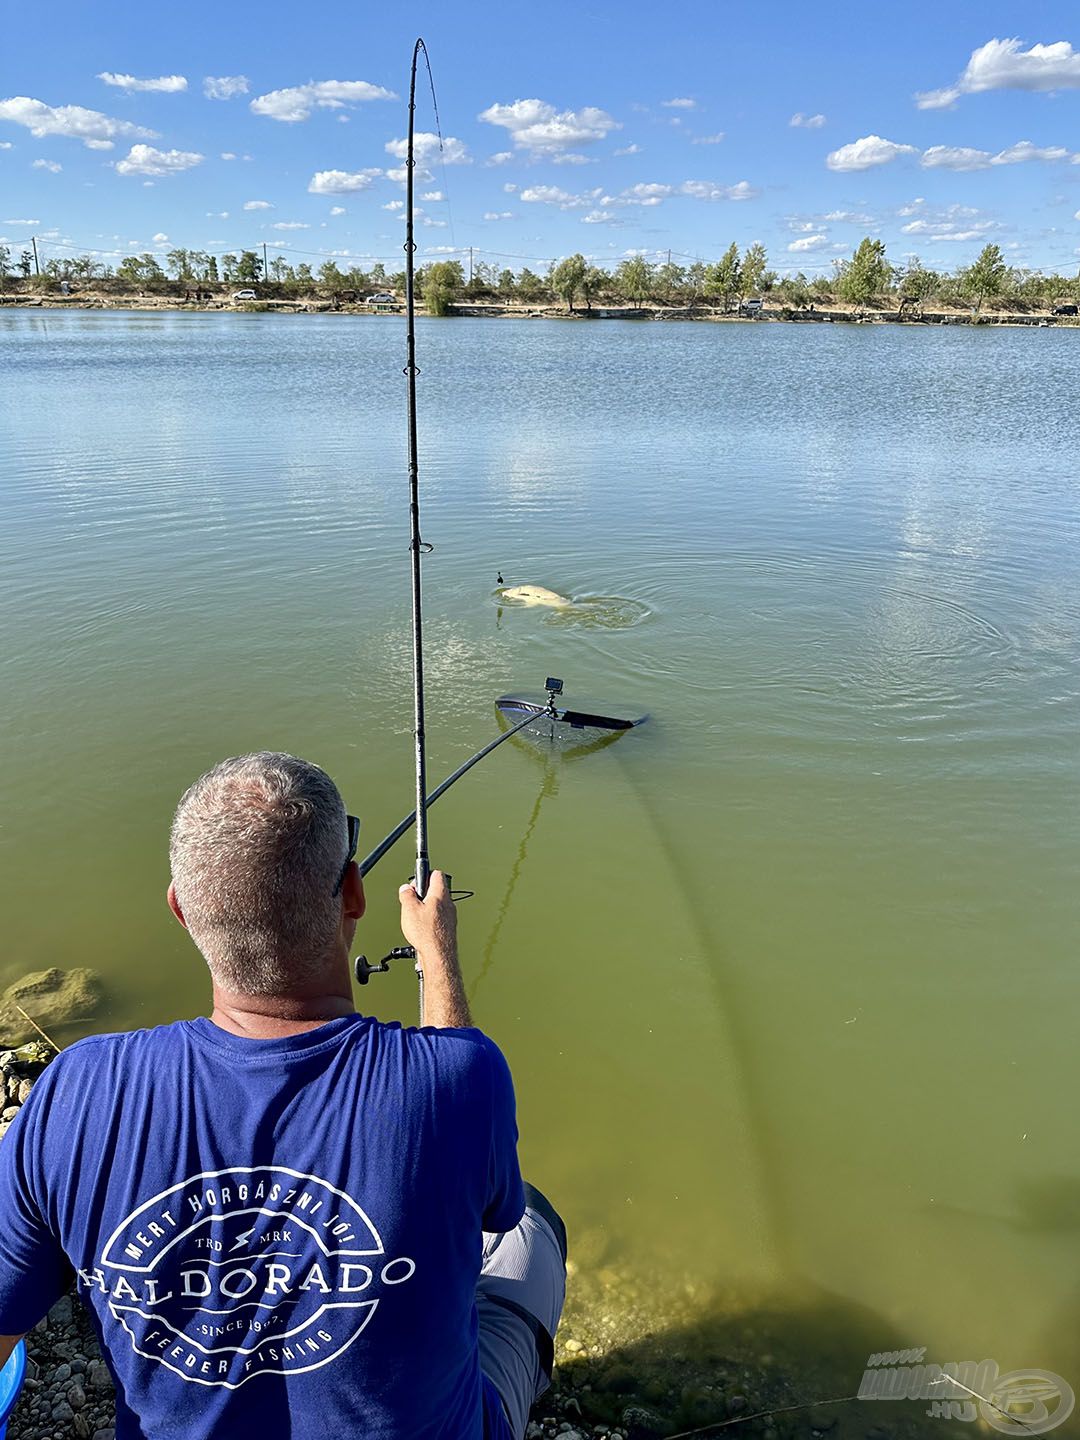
x=788, y=977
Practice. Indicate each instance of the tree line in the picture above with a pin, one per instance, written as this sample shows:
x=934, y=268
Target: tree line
x=864, y=278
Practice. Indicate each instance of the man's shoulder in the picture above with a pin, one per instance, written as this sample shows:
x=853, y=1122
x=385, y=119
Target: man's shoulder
x=94, y=1052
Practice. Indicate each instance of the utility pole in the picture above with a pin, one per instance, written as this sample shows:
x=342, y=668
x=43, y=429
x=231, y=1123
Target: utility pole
x=266, y=272
x=669, y=257
x=37, y=267
x=470, y=264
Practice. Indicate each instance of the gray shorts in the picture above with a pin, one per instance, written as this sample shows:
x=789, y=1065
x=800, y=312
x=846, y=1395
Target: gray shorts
x=519, y=1299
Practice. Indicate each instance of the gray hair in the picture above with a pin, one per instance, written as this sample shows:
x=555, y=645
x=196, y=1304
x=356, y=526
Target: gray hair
x=256, y=849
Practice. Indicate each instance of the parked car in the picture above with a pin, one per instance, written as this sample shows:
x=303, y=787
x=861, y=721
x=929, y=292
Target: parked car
x=1065, y=310
x=245, y=295
x=381, y=297
x=752, y=307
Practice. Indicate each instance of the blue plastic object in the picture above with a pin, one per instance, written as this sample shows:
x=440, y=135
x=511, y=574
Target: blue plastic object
x=11, y=1382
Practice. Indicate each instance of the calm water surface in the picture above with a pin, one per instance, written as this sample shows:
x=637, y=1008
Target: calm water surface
x=788, y=978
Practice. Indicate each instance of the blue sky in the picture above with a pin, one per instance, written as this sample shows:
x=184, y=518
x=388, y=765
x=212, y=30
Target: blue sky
x=600, y=127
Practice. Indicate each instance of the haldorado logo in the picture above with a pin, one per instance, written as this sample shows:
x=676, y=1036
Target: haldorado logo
x=255, y=1270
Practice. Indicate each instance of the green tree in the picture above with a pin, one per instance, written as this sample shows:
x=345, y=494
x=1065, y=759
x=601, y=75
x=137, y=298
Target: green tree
x=669, y=282
x=794, y=291
x=567, y=277
x=440, y=283
x=249, y=267
x=26, y=264
x=633, y=279
x=330, y=277
x=228, y=268
x=530, y=287
x=179, y=265
x=752, y=270
x=280, y=269
x=594, y=283
x=5, y=264
x=866, y=275
x=507, y=284
x=722, y=279
x=917, y=283
x=987, y=278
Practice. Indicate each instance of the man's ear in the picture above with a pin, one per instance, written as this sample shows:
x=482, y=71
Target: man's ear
x=352, y=892
x=174, y=904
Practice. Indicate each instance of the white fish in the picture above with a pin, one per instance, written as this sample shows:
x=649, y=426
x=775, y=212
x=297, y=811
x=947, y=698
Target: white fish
x=534, y=595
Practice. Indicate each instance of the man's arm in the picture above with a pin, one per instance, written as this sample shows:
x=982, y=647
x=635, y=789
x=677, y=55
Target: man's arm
x=430, y=926
x=7, y=1345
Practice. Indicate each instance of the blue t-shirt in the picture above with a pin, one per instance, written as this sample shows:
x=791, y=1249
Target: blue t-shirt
x=274, y=1237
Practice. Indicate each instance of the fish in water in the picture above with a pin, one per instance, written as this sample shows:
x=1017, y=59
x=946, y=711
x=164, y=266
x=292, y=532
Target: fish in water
x=535, y=595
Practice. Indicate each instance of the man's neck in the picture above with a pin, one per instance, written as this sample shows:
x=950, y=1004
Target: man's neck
x=271, y=1017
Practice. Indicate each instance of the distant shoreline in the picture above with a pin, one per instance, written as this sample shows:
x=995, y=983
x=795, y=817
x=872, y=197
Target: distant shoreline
x=770, y=313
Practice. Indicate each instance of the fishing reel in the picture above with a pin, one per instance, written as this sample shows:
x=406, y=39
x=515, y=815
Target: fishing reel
x=363, y=969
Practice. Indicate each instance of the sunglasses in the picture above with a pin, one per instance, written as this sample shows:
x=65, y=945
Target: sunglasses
x=354, y=839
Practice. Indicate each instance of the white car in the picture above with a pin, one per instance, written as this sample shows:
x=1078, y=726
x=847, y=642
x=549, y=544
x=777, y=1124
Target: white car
x=245, y=295
x=382, y=298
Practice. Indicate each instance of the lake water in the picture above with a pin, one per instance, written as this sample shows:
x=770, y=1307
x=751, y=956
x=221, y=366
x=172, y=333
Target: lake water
x=788, y=977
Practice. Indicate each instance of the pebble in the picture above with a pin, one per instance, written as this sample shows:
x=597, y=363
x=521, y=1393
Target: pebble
x=98, y=1375
x=573, y=1347
x=76, y=1397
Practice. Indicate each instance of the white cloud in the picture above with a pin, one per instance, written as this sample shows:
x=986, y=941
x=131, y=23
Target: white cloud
x=169, y=84
x=571, y=157
x=298, y=101
x=502, y=157
x=707, y=139
x=599, y=217
x=510, y=188
x=644, y=194
x=340, y=182
x=161, y=238
x=539, y=129
x=850, y=217
x=394, y=206
x=290, y=225
x=145, y=160
x=681, y=102
x=5, y=145
x=807, y=122
x=257, y=205
x=436, y=224
x=962, y=157
x=217, y=214
x=337, y=210
x=227, y=155
x=1003, y=65
x=866, y=152
x=954, y=157
x=498, y=215
x=707, y=190
x=53, y=166
x=552, y=195
x=432, y=195
x=22, y=222
x=808, y=242
x=954, y=223
x=224, y=87
x=1025, y=150
x=95, y=130
x=629, y=150
x=426, y=147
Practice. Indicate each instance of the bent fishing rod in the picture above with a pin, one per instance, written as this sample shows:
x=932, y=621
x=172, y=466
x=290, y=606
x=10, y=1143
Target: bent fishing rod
x=522, y=711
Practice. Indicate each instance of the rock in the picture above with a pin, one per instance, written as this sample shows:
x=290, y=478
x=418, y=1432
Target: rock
x=573, y=1347
x=642, y=1424
x=98, y=1376
x=22, y=1094
x=76, y=1397
x=61, y=1313
x=8, y=1113
x=63, y=1413
x=60, y=1374
x=107, y=1434
x=51, y=997
x=6, y=1057
x=736, y=1404
x=81, y=1426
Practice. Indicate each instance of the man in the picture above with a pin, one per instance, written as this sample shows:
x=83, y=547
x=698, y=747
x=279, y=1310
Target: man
x=288, y=1219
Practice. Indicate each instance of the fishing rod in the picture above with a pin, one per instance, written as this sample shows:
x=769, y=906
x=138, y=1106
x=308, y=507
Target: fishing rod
x=523, y=711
